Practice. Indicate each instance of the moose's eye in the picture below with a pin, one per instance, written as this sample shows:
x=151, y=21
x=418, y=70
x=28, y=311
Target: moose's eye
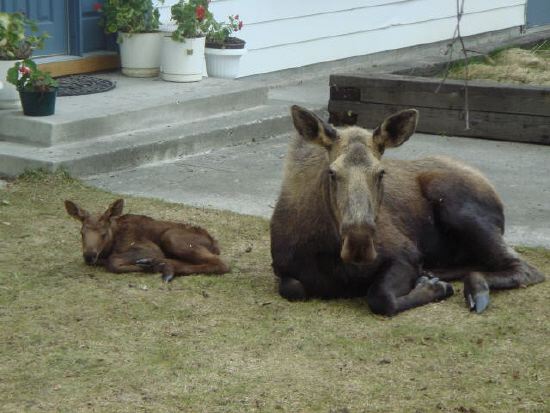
x=332, y=174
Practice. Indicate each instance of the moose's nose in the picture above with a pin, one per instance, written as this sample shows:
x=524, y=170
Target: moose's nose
x=90, y=258
x=358, y=245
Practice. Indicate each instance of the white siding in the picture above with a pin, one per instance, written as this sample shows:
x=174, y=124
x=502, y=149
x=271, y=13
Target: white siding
x=282, y=34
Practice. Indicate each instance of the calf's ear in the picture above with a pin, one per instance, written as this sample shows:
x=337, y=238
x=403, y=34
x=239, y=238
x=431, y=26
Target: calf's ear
x=312, y=128
x=114, y=210
x=75, y=211
x=394, y=130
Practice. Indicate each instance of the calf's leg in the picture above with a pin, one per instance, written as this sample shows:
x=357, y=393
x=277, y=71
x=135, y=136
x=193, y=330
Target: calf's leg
x=130, y=261
x=192, y=255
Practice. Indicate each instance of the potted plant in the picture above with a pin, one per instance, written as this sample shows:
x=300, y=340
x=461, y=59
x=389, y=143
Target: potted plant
x=15, y=45
x=37, y=89
x=182, y=57
x=137, y=23
x=223, y=51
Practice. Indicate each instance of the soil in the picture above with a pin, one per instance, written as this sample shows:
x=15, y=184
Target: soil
x=229, y=43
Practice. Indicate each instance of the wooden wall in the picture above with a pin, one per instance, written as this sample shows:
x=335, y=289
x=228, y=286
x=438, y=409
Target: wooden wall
x=283, y=34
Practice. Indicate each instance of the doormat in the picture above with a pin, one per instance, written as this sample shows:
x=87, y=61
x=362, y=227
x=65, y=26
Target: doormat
x=83, y=85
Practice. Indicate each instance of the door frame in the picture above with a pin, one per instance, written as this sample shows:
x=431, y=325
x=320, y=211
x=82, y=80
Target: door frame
x=74, y=27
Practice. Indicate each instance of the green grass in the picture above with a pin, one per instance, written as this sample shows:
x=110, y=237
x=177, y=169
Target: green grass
x=76, y=338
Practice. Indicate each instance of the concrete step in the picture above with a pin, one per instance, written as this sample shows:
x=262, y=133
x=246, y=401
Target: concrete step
x=167, y=142
x=133, y=105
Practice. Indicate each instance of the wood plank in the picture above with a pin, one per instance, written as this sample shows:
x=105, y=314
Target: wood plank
x=345, y=93
x=87, y=64
x=499, y=126
x=484, y=96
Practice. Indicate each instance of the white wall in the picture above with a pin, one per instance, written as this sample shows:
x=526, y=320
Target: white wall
x=282, y=34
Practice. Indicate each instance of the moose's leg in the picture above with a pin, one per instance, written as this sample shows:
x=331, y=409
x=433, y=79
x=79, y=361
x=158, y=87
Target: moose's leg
x=478, y=224
x=172, y=267
x=192, y=256
x=292, y=289
x=120, y=264
x=131, y=262
x=395, y=290
x=511, y=272
x=143, y=258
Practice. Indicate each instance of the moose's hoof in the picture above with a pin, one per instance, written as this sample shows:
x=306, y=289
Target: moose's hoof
x=478, y=302
x=422, y=280
x=448, y=289
x=425, y=280
x=442, y=289
x=167, y=277
x=476, y=292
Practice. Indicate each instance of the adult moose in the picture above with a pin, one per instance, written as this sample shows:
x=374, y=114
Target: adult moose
x=137, y=243
x=348, y=223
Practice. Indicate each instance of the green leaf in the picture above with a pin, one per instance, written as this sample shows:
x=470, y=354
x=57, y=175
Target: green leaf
x=13, y=75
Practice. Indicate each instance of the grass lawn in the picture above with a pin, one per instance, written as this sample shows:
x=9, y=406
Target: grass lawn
x=75, y=338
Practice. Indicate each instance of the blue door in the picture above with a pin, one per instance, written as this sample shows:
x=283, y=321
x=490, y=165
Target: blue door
x=93, y=38
x=538, y=12
x=51, y=16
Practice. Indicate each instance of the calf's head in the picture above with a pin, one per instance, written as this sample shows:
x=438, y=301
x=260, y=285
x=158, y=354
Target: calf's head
x=97, y=229
x=355, y=174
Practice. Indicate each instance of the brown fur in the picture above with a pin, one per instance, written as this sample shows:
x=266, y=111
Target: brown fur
x=349, y=223
x=137, y=243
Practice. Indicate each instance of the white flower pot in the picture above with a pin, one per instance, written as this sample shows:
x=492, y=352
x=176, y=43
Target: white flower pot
x=223, y=63
x=9, y=96
x=140, y=54
x=182, y=61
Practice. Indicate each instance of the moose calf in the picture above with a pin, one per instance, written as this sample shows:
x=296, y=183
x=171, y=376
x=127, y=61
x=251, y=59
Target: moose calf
x=136, y=243
x=349, y=223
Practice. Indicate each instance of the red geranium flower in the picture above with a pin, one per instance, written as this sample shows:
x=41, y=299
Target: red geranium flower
x=98, y=7
x=24, y=70
x=240, y=25
x=200, y=12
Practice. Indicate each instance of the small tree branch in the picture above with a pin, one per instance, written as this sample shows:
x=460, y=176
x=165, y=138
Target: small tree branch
x=457, y=36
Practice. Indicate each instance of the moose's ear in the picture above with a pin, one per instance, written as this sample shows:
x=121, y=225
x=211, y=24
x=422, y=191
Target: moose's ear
x=114, y=210
x=395, y=130
x=312, y=128
x=75, y=211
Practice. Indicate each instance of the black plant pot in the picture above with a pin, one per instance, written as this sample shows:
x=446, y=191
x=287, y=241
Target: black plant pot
x=38, y=103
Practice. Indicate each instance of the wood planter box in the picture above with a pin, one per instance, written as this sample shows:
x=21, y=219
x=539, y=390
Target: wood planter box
x=497, y=111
